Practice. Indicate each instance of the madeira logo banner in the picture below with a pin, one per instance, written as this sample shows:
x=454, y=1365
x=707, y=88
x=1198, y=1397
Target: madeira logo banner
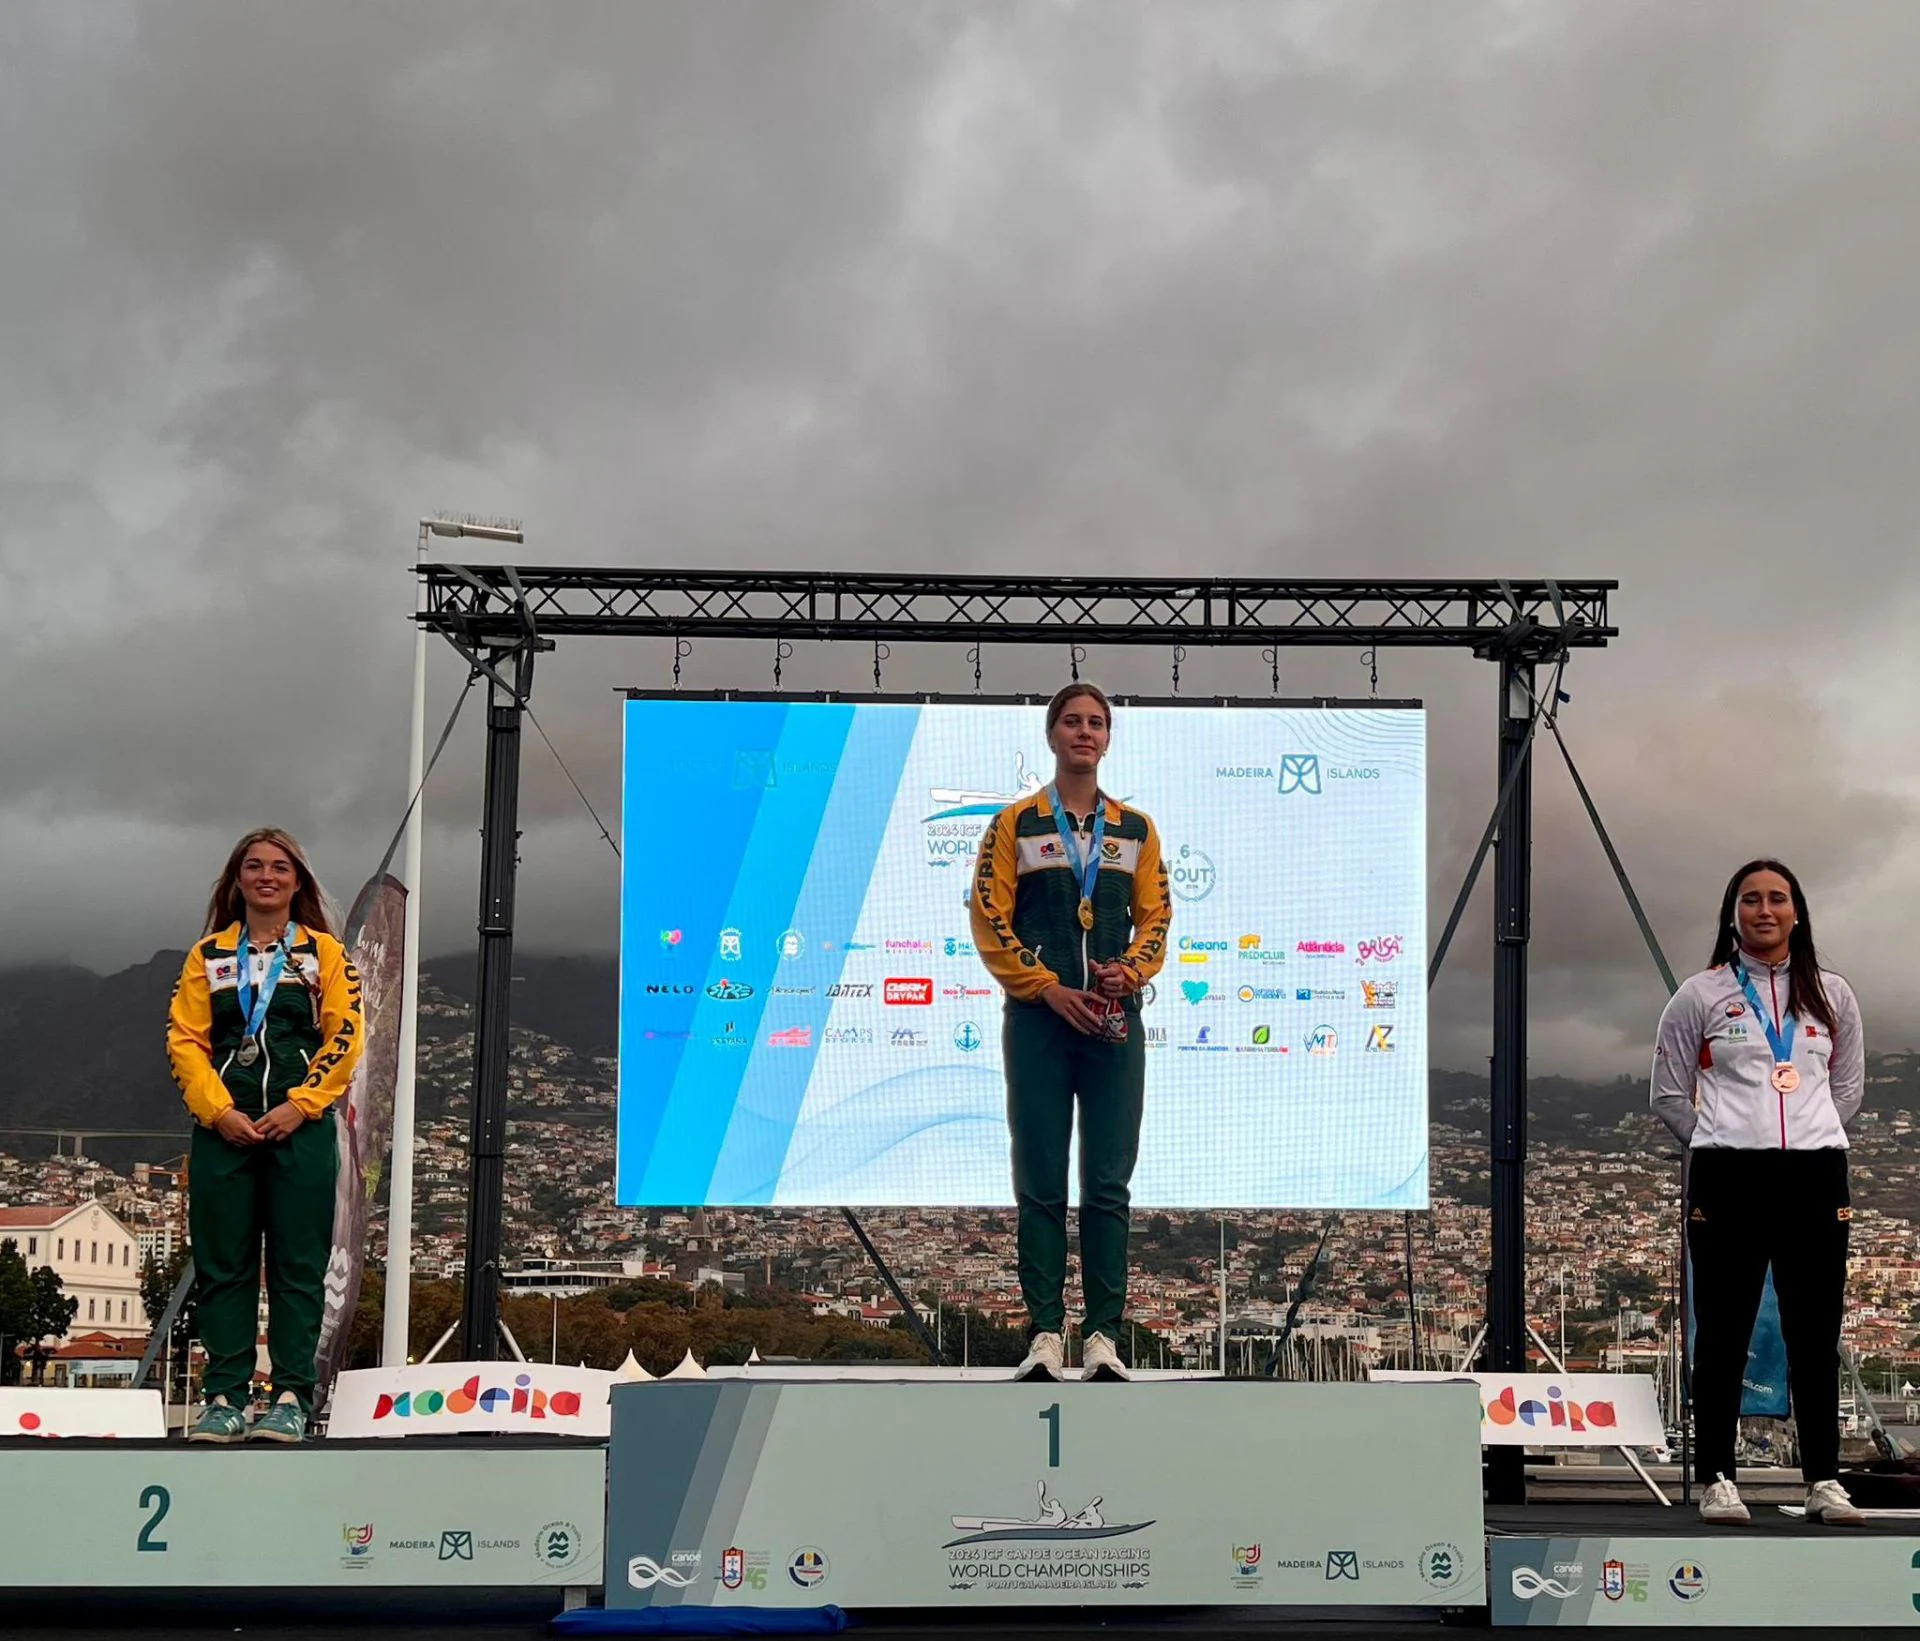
x=376, y=928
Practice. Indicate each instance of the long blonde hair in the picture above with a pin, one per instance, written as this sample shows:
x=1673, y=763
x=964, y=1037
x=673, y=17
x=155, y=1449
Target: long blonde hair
x=225, y=905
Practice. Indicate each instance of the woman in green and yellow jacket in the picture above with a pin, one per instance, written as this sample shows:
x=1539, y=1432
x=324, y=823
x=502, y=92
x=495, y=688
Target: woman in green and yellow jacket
x=263, y=1035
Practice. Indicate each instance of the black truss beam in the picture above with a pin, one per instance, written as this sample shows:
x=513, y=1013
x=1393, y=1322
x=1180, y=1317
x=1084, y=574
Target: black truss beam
x=479, y=602
x=498, y=616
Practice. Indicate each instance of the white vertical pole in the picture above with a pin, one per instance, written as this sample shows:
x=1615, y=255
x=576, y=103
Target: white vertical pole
x=393, y=1337
x=1223, y=1296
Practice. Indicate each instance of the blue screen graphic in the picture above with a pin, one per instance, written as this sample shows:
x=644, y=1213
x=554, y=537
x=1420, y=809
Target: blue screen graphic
x=804, y=1021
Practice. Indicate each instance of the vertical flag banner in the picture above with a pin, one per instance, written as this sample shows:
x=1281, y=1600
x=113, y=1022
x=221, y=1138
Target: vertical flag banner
x=374, y=931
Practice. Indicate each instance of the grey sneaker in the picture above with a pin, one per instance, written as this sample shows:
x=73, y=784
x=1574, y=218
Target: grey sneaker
x=1720, y=1504
x=219, y=1421
x=1100, y=1359
x=1827, y=1501
x=283, y=1422
x=1045, y=1358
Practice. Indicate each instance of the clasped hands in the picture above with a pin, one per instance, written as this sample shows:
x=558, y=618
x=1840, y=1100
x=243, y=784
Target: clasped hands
x=236, y=1128
x=1086, y=1011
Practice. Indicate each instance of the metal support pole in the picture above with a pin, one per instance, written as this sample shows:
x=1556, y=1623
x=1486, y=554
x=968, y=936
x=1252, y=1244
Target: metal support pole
x=1512, y=924
x=396, y=1321
x=486, y=1146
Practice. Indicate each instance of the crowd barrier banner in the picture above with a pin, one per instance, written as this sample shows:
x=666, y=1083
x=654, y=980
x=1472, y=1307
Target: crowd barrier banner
x=130, y=1415
x=1556, y=1409
x=470, y=1398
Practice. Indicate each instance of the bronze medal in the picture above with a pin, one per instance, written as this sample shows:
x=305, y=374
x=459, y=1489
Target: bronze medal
x=1786, y=1078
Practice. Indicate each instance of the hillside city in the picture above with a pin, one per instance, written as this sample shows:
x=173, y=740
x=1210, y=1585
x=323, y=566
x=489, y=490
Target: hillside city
x=1600, y=1223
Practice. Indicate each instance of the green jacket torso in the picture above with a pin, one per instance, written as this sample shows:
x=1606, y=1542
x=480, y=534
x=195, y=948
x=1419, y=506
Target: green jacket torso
x=292, y=1035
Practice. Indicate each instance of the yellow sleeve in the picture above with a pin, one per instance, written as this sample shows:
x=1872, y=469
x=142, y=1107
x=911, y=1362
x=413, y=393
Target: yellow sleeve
x=190, y=1043
x=342, y=1031
x=1152, y=910
x=990, y=907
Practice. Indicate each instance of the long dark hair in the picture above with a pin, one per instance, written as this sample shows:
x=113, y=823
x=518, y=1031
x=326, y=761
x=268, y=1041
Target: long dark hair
x=225, y=905
x=1806, y=994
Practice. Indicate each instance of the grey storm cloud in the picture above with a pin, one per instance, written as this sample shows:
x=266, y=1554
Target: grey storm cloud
x=1292, y=289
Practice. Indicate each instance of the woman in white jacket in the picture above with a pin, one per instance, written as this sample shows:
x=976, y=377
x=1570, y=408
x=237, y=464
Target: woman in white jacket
x=1761, y=1063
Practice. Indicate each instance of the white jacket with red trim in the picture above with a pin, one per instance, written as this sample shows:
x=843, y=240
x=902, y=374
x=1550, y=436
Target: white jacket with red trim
x=1710, y=1041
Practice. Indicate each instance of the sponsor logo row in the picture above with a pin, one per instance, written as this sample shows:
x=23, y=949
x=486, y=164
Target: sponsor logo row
x=1685, y=1582
x=919, y=991
x=733, y=946
x=557, y=1545
x=1322, y=1042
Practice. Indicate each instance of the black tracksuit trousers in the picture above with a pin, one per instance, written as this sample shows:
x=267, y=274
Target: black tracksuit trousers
x=1747, y=1210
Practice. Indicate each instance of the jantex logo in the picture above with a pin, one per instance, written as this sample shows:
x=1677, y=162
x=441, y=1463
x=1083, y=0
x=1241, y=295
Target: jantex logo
x=917, y=992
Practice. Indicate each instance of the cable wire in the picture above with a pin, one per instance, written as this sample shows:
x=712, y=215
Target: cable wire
x=562, y=762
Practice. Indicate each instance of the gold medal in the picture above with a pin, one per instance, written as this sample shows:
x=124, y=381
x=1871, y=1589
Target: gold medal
x=1086, y=913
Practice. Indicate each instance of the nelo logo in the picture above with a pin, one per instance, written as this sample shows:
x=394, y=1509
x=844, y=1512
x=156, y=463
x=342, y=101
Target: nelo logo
x=524, y=1397
x=919, y=992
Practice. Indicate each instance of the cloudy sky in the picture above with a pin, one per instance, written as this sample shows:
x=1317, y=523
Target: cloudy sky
x=1438, y=287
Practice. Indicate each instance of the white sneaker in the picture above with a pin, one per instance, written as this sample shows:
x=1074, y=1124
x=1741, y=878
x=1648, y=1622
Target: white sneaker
x=1827, y=1501
x=1045, y=1358
x=1721, y=1503
x=1099, y=1359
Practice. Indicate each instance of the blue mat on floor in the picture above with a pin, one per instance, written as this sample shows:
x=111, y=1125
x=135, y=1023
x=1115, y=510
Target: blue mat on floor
x=701, y=1621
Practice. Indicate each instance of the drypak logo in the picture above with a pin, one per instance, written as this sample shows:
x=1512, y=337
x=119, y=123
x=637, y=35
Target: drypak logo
x=917, y=993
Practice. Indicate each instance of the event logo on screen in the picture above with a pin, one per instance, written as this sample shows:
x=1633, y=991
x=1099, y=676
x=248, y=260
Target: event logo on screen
x=806, y=1019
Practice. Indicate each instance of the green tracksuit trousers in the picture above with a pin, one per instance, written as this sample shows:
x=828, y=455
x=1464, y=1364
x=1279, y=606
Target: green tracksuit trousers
x=1049, y=1066
x=280, y=1192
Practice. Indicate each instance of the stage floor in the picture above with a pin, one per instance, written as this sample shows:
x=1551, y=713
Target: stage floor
x=1648, y=1520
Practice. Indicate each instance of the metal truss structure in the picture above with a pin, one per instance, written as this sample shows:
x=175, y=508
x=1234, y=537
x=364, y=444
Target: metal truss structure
x=500, y=616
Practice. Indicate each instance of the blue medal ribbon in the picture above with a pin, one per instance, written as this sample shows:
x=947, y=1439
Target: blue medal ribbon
x=1780, y=1042
x=1086, y=873
x=253, y=1006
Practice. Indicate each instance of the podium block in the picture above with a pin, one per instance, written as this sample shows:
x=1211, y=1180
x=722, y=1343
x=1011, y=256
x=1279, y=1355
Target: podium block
x=328, y=1516
x=967, y=1495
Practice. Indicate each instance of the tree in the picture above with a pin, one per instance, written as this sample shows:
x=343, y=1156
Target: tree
x=16, y=1309
x=53, y=1313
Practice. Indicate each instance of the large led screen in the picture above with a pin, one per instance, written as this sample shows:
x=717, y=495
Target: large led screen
x=804, y=1021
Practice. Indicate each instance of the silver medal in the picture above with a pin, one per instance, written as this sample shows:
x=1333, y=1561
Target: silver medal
x=249, y=1052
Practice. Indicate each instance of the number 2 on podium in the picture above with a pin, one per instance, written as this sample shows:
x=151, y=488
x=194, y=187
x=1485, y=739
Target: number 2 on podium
x=159, y=1501
x=1051, y=1418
